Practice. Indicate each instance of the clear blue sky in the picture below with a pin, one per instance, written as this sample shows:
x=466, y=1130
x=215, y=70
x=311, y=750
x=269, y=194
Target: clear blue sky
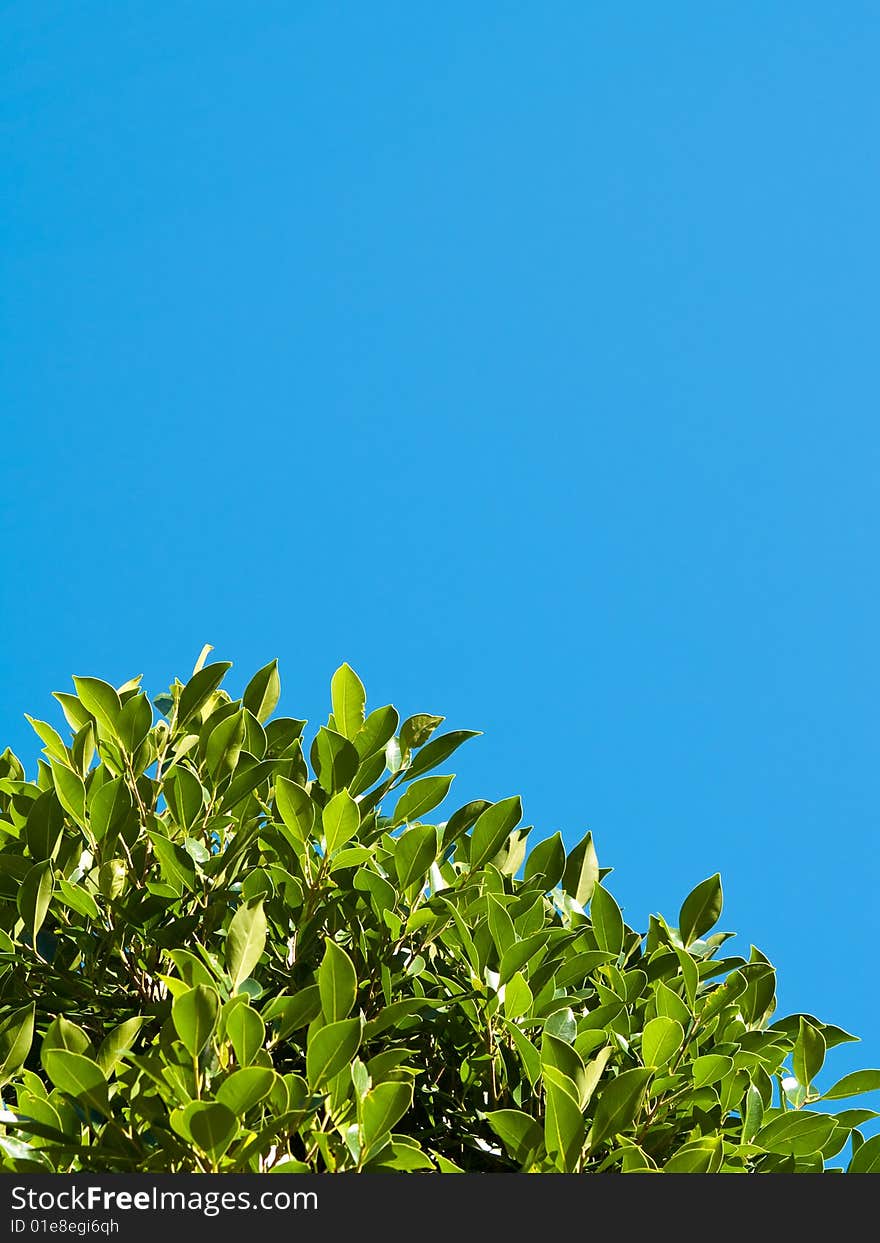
x=522, y=355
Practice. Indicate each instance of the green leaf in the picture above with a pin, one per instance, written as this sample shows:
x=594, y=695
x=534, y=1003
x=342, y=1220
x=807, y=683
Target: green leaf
x=854, y=1084
x=246, y=779
x=563, y=1127
x=809, y=1053
x=700, y=910
x=416, y=730
x=296, y=809
x=16, y=1037
x=79, y=1077
x=337, y=983
x=381, y=1109
x=661, y=1040
x=753, y=1114
x=330, y=1048
x=334, y=760
x=199, y=690
x=71, y=791
x=101, y=700
x=110, y=809
x=50, y=737
x=340, y=820
x=415, y=851
x=607, y=921
x=211, y=1124
x=224, y=745
x=711, y=1067
x=518, y=999
x=492, y=828
x=245, y=1088
x=797, y=1133
x=438, y=750
x=34, y=896
x=134, y=722
x=194, y=1014
x=581, y=873
x=618, y=1105
x=421, y=797
x=516, y=956
x=867, y=1159
x=184, y=796
x=520, y=1134
x=76, y=713
x=348, y=698
x=45, y=825
x=263, y=691
x=546, y=862
x=500, y=925
x=375, y=732
x=698, y=1156
x=64, y=1034
x=118, y=1043
x=245, y=941
x=246, y=1031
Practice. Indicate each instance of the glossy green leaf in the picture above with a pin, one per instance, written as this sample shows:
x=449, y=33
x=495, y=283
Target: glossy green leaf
x=563, y=1128
x=245, y=1088
x=296, y=809
x=416, y=730
x=16, y=1037
x=854, y=1084
x=438, y=750
x=110, y=809
x=520, y=1134
x=375, y=732
x=796, y=1133
x=245, y=941
x=348, y=697
x=194, y=1014
x=415, y=851
x=867, y=1159
x=212, y=1126
x=340, y=820
x=337, y=983
x=199, y=690
x=491, y=830
x=45, y=826
x=420, y=798
x=119, y=1042
x=581, y=873
x=546, y=862
x=381, y=1109
x=78, y=1076
x=71, y=791
x=134, y=723
x=185, y=797
x=698, y=1156
x=330, y=1048
x=246, y=1031
x=334, y=760
x=701, y=909
x=34, y=896
x=607, y=920
x=101, y=700
x=661, y=1040
x=263, y=691
x=809, y=1053
x=617, y=1105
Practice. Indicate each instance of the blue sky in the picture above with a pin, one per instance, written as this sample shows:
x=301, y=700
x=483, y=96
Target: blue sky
x=523, y=356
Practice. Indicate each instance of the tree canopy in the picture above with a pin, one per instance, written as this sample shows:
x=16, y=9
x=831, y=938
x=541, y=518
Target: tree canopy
x=224, y=950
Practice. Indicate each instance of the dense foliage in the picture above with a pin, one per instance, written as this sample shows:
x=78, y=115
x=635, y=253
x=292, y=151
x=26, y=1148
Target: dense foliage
x=217, y=956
